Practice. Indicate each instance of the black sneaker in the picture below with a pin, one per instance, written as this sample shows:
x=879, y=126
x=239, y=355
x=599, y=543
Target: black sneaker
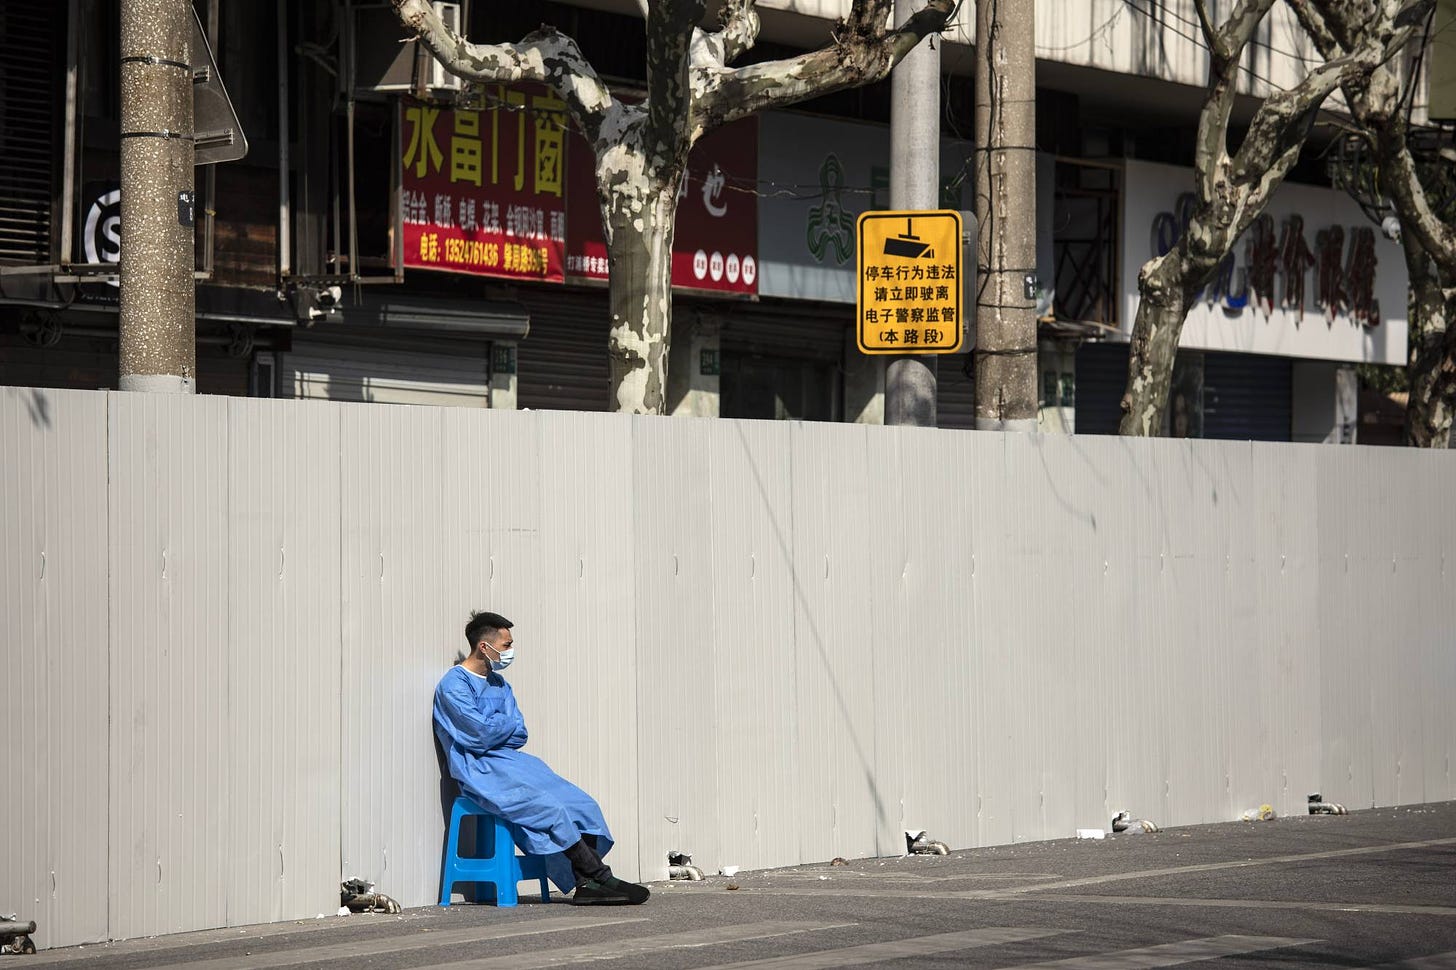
x=610, y=891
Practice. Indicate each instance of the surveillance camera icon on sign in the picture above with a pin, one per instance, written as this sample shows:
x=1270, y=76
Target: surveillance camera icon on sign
x=908, y=245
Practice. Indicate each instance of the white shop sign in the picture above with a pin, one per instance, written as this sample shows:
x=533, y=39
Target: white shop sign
x=815, y=177
x=1313, y=279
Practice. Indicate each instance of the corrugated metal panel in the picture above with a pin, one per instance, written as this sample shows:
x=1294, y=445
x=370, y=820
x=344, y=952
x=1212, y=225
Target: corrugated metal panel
x=753, y=641
x=1383, y=640
x=53, y=631
x=763, y=643
x=401, y=635
x=1033, y=764
x=920, y=574
x=1247, y=397
x=562, y=364
x=170, y=739
x=674, y=593
x=838, y=658
x=579, y=692
x=283, y=654
x=1352, y=586
x=555, y=562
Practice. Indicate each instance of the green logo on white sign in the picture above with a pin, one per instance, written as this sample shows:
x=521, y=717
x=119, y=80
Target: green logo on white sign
x=829, y=225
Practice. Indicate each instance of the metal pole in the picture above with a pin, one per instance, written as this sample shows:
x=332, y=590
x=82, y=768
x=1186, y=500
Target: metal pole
x=1005, y=122
x=158, y=295
x=68, y=158
x=910, y=382
x=285, y=206
x=209, y=204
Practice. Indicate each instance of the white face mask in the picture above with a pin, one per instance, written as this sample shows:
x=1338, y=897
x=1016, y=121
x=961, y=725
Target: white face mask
x=506, y=656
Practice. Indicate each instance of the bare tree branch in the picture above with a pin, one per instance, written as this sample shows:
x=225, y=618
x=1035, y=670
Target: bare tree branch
x=1228, y=42
x=1314, y=24
x=1210, y=32
x=739, y=28
x=1286, y=116
x=1226, y=48
x=736, y=34
x=1375, y=101
x=545, y=55
x=1400, y=182
x=1375, y=104
x=863, y=51
x=1279, y=129
x=671, y=26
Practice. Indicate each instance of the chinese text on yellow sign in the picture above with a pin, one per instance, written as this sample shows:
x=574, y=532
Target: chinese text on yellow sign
x=909, y=291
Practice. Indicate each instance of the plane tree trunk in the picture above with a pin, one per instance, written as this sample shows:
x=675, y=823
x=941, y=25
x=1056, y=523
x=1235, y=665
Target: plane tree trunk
x=639, y=225
x=1431, y=371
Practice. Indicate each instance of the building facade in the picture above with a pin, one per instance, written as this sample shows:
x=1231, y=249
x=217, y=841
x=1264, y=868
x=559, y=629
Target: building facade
x=397, y=237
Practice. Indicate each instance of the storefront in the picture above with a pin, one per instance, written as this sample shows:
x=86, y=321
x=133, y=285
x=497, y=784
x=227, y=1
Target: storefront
x=1310, y=290
x=392, y=348
x=816, y=175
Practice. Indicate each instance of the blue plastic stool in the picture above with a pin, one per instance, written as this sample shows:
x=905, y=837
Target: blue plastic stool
x=502, y=868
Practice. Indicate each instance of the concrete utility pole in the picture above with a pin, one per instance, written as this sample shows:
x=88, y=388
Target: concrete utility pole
x=910, y=382
x=1006, y=363
x=158, y=296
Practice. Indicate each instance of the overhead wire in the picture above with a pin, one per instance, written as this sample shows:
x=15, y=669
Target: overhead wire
x=1198, y=41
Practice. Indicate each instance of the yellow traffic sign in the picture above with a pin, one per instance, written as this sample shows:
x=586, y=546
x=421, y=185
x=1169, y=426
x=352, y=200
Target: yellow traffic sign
x=910, y=286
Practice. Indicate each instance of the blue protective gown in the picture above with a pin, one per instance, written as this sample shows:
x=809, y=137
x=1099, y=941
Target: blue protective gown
x=482, y=732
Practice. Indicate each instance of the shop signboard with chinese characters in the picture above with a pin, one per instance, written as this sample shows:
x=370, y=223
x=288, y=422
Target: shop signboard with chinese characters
x=1311, y=278
x=484, y=191
x=909, y=293
x=715, y=238
x=816, y=175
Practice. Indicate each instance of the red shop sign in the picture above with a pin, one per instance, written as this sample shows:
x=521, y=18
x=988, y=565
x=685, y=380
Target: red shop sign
x=715, y=242
x=484, y=191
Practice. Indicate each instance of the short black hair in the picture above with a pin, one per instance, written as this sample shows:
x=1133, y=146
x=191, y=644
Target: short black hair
x=484, y=625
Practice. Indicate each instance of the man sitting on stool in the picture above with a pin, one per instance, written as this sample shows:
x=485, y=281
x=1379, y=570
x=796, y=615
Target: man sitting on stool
x=482, y=731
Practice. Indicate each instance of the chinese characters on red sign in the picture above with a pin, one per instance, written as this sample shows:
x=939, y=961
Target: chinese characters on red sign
x=510, y=191
x=484, y=191
x=715, y=238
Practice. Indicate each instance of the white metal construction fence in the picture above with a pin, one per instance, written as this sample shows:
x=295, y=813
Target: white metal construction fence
x=221, y=621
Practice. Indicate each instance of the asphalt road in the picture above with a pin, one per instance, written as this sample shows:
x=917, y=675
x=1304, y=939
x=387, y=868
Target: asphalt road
x=1372, y=889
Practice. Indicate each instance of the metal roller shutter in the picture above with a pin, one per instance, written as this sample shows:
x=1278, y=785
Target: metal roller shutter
x=29, y=73
x=956, y=391
x=562, y=364
x=428, y=372
x=1101, y=381
x=1247, y=397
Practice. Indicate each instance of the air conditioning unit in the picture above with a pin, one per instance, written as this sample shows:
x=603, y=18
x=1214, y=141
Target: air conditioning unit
x=384, y=54
x=441, y=79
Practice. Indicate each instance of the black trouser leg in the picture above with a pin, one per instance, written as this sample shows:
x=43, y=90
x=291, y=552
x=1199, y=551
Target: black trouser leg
x=585, y=862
